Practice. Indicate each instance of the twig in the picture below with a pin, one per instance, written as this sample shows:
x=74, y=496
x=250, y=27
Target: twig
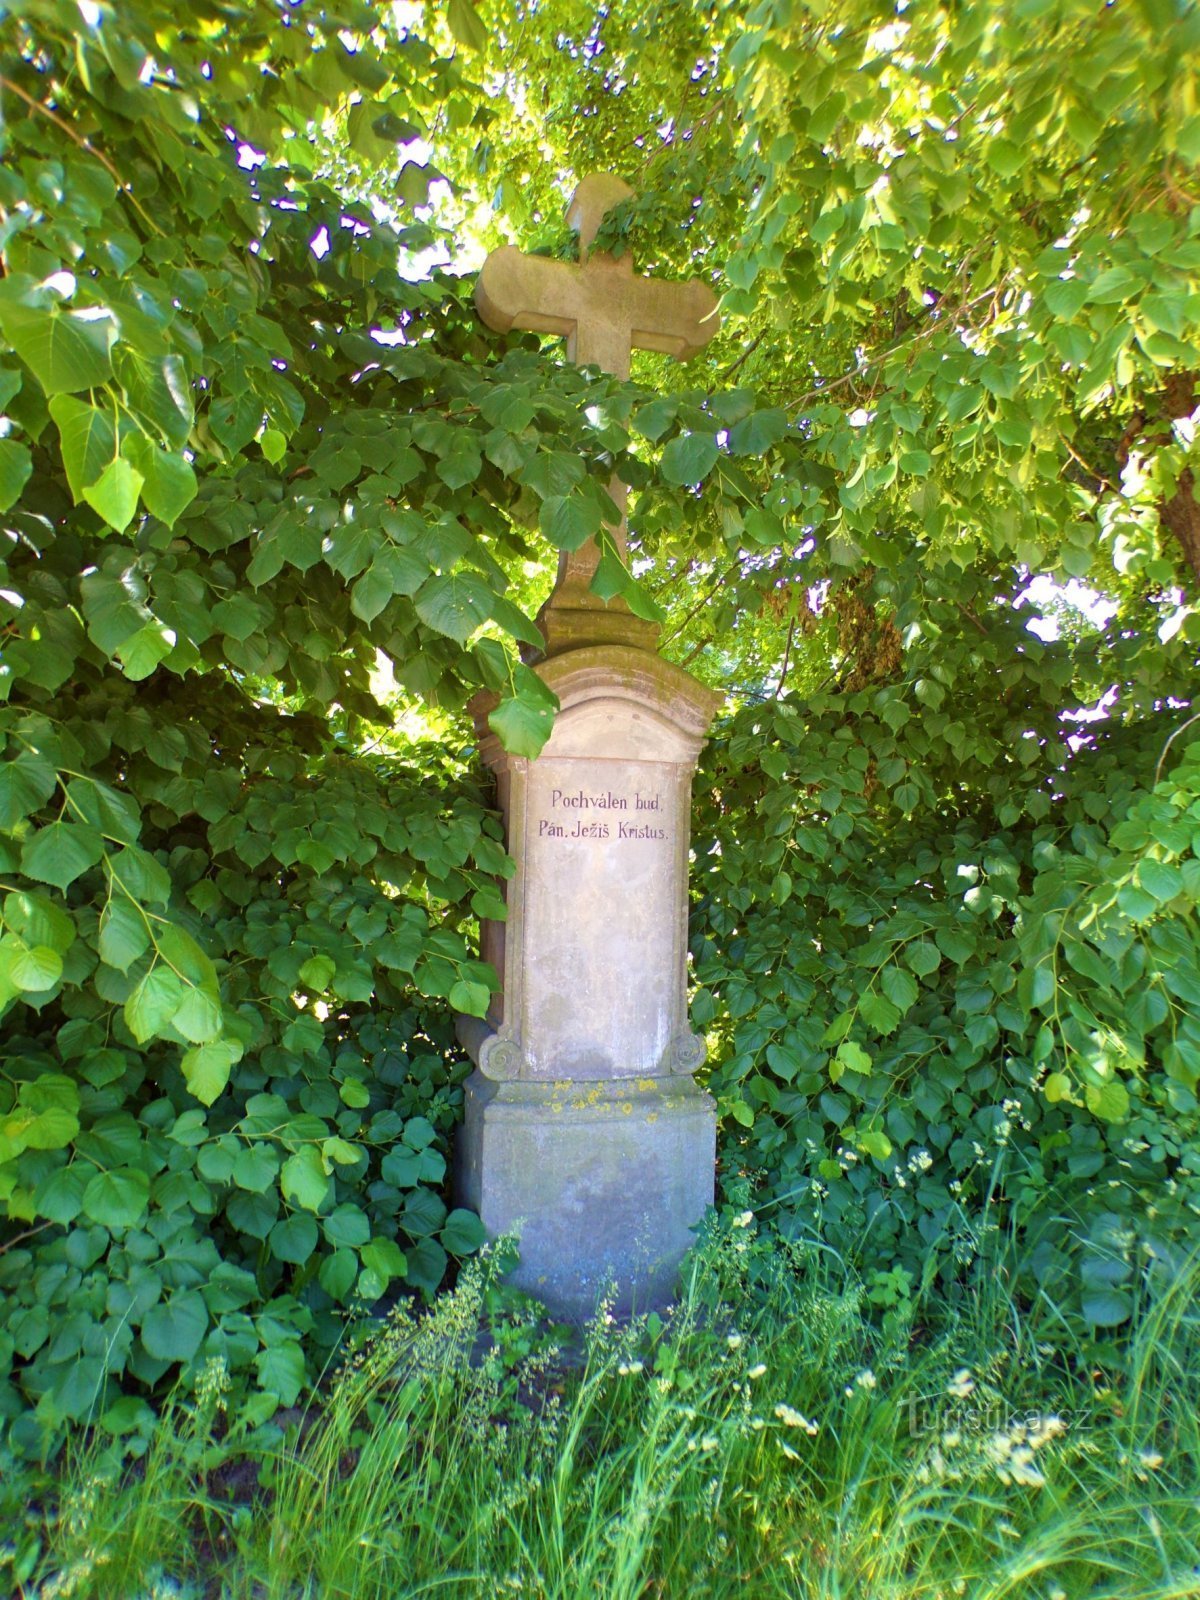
x=972, y=618
x=84, y=144
x=723, y=377
x=1170, y=742
x=787, y=651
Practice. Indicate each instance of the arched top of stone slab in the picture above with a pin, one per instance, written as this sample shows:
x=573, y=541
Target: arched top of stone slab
x=618, y=704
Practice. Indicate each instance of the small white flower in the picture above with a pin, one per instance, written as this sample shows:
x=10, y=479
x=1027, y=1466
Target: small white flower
x=744, y=1219
x=866, y=1379
x=627, y=1369
x=734, y=1341
x=961, y=1384
x=757, y=1370
x=794, y=1419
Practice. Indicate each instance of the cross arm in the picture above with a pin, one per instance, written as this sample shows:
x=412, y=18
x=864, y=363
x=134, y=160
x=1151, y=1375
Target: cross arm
x=519, y=291
x=676, y=319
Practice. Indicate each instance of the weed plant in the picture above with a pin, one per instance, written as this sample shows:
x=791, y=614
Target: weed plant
x=765, y=1439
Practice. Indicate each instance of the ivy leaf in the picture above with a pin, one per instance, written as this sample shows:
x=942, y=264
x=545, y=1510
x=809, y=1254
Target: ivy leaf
x=60, y=852
x=115, y=493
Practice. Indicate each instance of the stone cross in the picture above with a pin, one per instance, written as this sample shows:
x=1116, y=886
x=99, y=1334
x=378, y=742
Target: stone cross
x=604, y=310
x=584, y=1125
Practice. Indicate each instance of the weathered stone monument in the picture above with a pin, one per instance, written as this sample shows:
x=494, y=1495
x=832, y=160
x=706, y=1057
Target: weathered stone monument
x=585, y=1127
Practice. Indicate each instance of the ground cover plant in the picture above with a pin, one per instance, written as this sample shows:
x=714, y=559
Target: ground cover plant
x=767, y=1438
x=274, y=506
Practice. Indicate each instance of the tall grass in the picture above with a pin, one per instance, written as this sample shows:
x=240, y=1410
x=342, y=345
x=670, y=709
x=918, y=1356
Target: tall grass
x=765, y=1440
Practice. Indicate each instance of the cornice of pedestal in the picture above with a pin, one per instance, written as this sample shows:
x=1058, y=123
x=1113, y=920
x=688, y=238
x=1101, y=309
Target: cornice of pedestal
x=593, y=683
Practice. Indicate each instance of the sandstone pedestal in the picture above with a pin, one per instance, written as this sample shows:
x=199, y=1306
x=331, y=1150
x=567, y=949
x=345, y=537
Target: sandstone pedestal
x=584, y=1124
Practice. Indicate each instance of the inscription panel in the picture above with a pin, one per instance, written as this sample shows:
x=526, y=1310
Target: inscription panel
x=604, y=905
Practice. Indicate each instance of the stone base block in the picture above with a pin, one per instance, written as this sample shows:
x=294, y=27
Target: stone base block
x=602, y=1181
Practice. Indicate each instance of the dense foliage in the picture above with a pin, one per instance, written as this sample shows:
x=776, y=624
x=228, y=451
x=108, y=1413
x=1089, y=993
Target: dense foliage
x=264, y=493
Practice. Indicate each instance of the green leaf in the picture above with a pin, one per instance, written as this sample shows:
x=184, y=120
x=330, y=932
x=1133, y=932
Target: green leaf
x=471, y=998
x=923, y=957
x=523, y=722
x=853, y=1057
x=303, y=1179
x=874, y=1142
x=1037, y=986
x=294, y=1239
x=168, y=480
x=878, y=1012
x=273, y=445
x=281, y=1371
x=206, y=1070
x=254, y=1166
x=568, y=521
x=197, y=1017
x=689, y=458
x=1066, y=298
x=337, y=1274
x=1057, y=1087
x=115, y=493
x=1106, y=1308
x=899, y=986
x=88, y=441
x=1160, y=879
x=465, y=25
x=117, y=1199
x=175, y=1329
x=385, y=1257
x=25, y=784
x=463, y=1233
x=60, y=852
x=142, y=651
x=66, y=350
x=755, y=434
x=16, y=464
x=36, y=969
x=1109, y=1101
x=454, y=604
x=317, y=973
x=153, y=1003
